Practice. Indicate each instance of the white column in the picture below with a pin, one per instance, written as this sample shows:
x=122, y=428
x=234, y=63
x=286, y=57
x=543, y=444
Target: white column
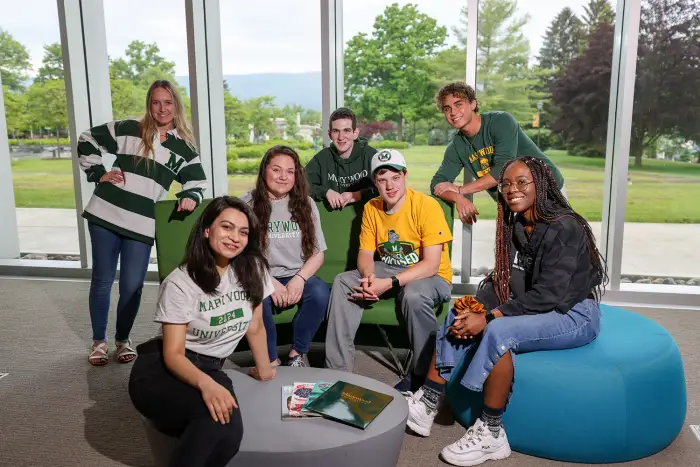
x=332, y=73
x=472, y=38
x=9, y=238
x=624, y=67
x=88, y=94
x=207, y=91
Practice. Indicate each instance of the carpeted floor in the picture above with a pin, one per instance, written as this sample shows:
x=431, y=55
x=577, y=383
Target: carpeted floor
x=56, y=410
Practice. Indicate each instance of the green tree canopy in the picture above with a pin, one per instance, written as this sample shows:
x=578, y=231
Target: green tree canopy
x=14, y=62
x=142, y=65
x=15, y=110
x=504, y=79
x=236, y=116
x=596, y=14
x=261, y=112
x=388, y=74
x=668, y=65
x=46, y=104
x=52, y=63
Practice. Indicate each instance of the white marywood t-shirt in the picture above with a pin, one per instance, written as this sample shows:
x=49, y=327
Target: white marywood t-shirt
x=216, y=322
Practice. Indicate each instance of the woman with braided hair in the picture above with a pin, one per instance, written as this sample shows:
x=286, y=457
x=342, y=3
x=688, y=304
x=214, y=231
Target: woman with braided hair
x=543, y=294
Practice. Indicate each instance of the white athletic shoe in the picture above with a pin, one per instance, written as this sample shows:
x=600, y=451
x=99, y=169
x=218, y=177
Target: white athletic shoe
x=420, y=417
x=476, y=446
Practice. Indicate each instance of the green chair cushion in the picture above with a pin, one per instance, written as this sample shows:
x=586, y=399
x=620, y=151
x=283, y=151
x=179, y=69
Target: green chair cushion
x=341, y=229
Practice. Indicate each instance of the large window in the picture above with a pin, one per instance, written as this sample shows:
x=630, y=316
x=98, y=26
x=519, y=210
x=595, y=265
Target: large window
x=37, y=119
x=550, y=68
x=271, y=54
x=397, y=54
x=662, y=221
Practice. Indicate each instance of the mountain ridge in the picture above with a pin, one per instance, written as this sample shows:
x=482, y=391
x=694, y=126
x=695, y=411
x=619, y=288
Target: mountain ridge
x=302, y=89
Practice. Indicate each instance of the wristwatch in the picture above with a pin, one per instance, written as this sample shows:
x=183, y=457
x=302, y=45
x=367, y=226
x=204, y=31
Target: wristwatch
x=489, y=316
x=395, y=283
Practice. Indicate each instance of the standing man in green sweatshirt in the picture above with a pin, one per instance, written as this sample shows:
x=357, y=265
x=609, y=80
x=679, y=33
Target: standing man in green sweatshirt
x=340, y=173
x=483, y=144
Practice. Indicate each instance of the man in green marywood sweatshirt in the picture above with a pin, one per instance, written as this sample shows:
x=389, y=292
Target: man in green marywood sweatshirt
x=341, y=173
x=483, y=144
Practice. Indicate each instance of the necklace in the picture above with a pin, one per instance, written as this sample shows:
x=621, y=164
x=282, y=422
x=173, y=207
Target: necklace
x=272, y=198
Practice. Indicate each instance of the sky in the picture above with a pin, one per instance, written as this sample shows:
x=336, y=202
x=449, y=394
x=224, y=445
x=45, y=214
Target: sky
x=266, y=36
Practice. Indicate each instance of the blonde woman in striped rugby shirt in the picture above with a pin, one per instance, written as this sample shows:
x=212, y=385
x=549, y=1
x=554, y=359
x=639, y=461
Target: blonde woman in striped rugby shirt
x=151, y=154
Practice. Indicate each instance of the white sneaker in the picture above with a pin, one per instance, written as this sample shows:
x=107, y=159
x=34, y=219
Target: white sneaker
x=476, y=446
x=420, y=417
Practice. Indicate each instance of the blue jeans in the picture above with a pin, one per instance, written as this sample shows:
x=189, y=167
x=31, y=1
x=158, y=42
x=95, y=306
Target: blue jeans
x=107, y=247
x=519, y=334
x=306, y=321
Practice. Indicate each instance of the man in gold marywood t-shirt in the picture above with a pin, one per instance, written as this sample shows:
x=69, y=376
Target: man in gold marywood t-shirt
x=408, y=231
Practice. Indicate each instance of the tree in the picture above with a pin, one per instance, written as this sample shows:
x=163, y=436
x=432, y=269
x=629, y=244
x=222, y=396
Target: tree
x=564, y=40
x=14, y=62
x=52, y=63
x=596, y=14
x=261, y=112
x=582, y=95
x=236, y=116
x=142, y=65
x=15, y=111
x=46, y=105
x=311, y=117
x=668, y=64
x=128, y=100
x=504, y=79
x=388, y=74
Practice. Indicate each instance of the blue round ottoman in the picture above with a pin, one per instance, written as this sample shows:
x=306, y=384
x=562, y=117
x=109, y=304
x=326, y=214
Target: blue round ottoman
x=619, y=398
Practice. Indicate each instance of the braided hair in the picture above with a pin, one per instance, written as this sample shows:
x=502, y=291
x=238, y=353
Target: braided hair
x=546, y=189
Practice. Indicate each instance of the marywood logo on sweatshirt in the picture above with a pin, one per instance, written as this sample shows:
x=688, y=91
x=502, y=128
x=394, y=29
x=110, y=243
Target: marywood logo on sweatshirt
x=283, y=229
x=348, y=180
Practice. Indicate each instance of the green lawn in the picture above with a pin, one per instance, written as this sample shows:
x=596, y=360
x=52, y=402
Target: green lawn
x=660, y=191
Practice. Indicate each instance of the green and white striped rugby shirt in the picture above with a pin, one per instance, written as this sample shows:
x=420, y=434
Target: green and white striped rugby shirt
x=128, y=208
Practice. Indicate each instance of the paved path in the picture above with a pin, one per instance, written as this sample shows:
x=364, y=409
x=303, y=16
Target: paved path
x=649, y=249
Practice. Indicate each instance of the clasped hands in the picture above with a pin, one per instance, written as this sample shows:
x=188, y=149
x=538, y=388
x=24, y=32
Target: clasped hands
x=286, y=296
x=467, y=325
x=340, y=200
x=371, y=288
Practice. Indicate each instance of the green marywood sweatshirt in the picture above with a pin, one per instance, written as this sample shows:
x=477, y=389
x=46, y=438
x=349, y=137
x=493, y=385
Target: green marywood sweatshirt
x=328, y=171
x=499, y=140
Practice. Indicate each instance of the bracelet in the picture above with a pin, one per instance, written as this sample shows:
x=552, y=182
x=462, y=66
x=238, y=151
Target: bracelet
x=459, y=189
x=302, y=277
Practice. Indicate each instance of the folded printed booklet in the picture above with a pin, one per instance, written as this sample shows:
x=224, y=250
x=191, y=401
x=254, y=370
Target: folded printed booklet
x=293, y=399
x=319, y=388
x=350, y=404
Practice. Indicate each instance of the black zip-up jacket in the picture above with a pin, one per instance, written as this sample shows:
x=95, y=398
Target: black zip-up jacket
x=550, y=271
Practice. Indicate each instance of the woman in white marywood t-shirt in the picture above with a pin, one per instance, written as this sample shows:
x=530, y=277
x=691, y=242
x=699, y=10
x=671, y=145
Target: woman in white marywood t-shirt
x=206, y=306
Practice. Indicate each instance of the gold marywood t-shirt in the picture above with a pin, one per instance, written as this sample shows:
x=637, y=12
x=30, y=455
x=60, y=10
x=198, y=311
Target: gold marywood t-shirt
x=399, y=238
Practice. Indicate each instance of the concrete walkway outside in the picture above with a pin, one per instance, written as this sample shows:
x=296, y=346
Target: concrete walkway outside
x=669, y=250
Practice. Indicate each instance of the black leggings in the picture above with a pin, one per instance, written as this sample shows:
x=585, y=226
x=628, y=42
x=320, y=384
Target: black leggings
x=177, y=409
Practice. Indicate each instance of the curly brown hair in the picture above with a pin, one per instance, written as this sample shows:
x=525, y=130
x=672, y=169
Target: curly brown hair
x=458, y=89
x=550, y=205
x=299, y=206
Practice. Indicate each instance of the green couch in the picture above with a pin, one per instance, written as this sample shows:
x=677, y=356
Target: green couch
x=341, y=229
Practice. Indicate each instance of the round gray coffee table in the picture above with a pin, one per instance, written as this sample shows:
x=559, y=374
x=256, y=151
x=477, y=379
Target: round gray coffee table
x=269, y=441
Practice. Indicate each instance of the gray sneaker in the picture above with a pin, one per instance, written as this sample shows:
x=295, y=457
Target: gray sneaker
x=296, y=361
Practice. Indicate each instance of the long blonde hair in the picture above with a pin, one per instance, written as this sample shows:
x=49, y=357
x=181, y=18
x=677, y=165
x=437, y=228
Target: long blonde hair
x=149, y=127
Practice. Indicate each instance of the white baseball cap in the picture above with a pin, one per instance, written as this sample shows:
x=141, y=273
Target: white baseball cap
x=388, y=158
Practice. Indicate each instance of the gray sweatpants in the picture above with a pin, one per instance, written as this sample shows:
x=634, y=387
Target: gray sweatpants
x=416, y=302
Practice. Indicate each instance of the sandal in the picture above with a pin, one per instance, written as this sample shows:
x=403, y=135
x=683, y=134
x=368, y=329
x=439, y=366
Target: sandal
x=125, y=353
x=98, y=354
